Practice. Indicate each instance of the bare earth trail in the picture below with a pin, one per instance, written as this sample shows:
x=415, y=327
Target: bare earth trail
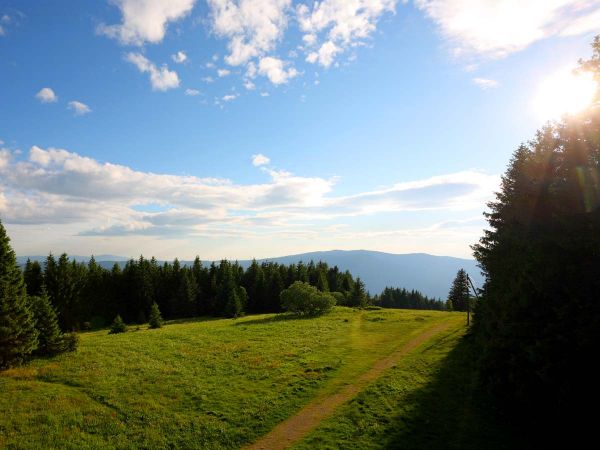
x=308, y=418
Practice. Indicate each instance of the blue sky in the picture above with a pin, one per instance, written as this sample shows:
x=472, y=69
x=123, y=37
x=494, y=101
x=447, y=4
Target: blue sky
x=256, y=128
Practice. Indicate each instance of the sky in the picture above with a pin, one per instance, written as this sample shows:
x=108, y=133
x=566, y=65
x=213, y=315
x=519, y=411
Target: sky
x=261, y=128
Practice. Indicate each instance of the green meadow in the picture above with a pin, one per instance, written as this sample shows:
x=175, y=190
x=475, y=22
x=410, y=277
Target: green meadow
x=225, y=383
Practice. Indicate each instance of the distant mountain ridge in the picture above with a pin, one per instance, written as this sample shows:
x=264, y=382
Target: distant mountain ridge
x=431, y=275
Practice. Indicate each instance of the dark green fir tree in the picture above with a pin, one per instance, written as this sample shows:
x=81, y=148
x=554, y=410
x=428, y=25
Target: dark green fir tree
x=18, y=336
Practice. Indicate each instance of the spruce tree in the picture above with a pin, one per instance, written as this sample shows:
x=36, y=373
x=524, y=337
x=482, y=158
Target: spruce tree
x=118, y=326
x=18, y=336
x=156, y=320
x=358, y=295
x=34, y=277
x=50, y=338
x=459, y=296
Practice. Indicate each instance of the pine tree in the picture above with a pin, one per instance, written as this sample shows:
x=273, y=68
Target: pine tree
x=358, y=295
x=156, y=320
x=459, y=296
x=50, y=339
x=118, y=326
x=18, y=336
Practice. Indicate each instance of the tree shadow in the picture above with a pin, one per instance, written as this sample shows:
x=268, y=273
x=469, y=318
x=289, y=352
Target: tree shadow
x=191, y=320
x=453, y=412
x=282, y=317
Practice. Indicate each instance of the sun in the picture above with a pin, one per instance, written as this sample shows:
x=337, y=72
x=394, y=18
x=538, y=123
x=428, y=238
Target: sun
x=564, y=92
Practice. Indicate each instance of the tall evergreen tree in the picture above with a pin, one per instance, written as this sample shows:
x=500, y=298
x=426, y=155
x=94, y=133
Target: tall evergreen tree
x=34, y=277
x=538, y=321
x=459, y=296
x=18, y=336
x=50, y=339
x=358, y=295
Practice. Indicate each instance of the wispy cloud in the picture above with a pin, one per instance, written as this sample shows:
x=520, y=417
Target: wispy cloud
x=79, y=108
x=180, y=57
x=260, y=160
x=498, y=28
x=161, y=78
x=486, y=83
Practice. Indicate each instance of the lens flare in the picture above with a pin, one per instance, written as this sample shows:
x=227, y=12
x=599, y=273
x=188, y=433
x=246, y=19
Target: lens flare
x=564, y=92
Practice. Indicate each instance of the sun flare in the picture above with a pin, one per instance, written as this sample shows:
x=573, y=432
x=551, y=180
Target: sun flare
x=564, y=92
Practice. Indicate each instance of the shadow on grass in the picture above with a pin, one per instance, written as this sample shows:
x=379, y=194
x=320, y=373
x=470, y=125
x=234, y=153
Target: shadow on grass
x=191, y=320
x=282, y=317
x=452, y=412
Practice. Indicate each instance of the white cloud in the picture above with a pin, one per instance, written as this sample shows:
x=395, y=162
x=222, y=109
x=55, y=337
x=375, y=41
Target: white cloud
x=485, y=83
x=46, y=95
x=249, y=85
x=274, y=70
x=56, y=199
x=145, y=20
x=4, y=158
x=58, y=186
x=180, y=57
x=229, y=97
x=344, y=24
x=325, y=55
x=497, y=28
x=192, y=92
x=208, y=79
x=264, y=94
x=162, y=79
x=223, y=72
x=253, y=27
x=79, y=108
x=260, y=160
x=5, y=19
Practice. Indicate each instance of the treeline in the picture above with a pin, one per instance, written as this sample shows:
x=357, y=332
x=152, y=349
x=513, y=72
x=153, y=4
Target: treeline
x=405, y=299
x=537, y=325
x=90, y=296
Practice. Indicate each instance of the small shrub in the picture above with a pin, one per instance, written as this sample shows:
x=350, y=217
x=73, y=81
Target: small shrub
x=118, y=326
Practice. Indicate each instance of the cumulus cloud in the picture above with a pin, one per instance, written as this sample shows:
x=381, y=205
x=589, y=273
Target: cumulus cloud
x=46, y=95
x=339, y=25
x=79, y=108
x=260, y=160
x=223, y=72
x=55, y=186
x=161, y=78
x=180, y=57
x=485, y=83
x=145, y=20
x=252, y=27
x=497, y=28
x=192, y=92
x=274, y=69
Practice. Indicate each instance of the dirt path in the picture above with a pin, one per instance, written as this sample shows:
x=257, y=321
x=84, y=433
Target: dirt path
x=299, y=425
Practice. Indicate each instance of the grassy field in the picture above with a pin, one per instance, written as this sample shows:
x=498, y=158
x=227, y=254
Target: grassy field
x=224, y=383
